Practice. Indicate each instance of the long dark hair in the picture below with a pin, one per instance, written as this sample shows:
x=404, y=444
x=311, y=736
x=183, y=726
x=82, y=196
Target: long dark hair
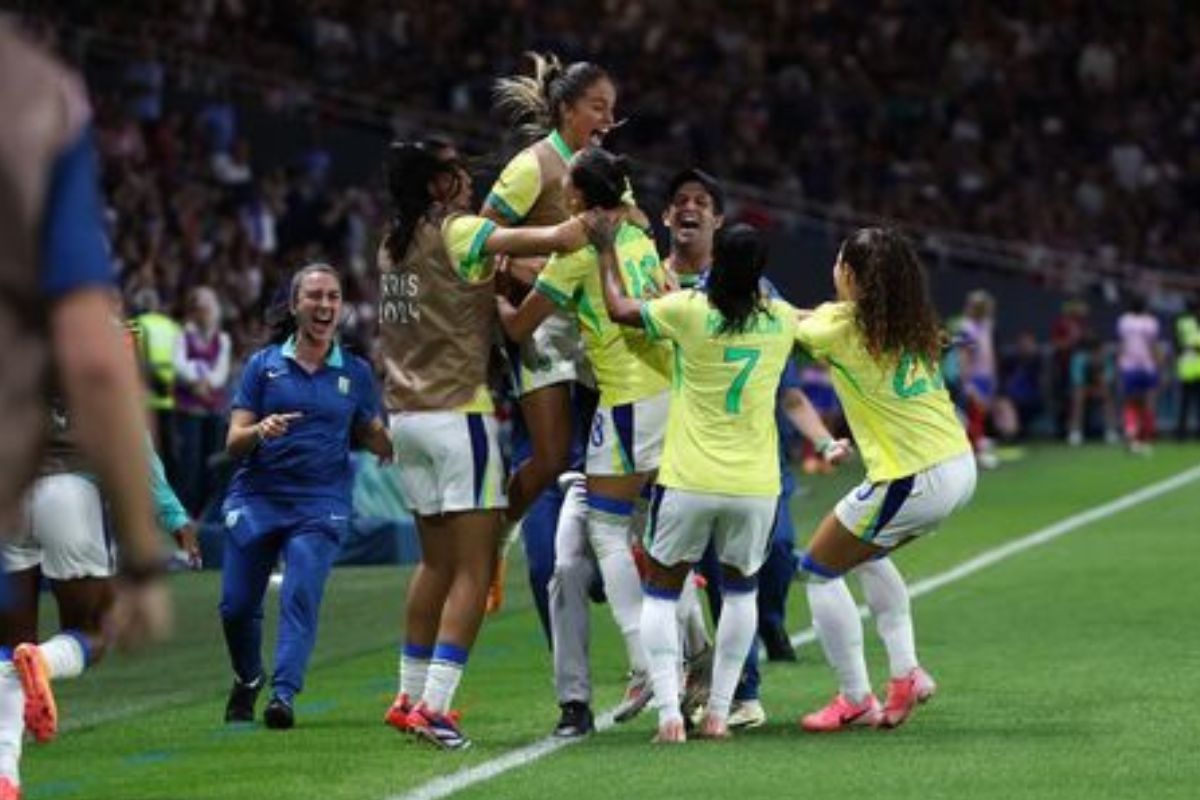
x=411, y=166
x=532, y=104
x=893, y=309
x=601, y=177
x=280, y=321
x=739, y=257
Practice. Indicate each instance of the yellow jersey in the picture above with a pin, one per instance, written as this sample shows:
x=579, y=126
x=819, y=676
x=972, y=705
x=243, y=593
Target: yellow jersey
x=721, y=432
x=628, y=366
x=899, y=410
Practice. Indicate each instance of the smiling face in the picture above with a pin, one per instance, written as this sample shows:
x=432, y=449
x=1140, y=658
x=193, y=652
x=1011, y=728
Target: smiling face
x=586, y=120
x=691, y=217
x=317, y=307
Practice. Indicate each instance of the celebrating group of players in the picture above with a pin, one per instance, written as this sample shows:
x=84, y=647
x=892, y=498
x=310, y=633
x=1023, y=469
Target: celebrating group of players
x=682, y=362
x=647, y=446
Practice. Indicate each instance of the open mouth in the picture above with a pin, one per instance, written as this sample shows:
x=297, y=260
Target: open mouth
x=689, y=221
x=597, y=137
x=322, y=322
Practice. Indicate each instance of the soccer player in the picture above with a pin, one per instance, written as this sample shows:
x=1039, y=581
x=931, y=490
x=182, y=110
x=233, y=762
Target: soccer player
x=302, y=401
x=719, y=479
x=883, y=340
x=1139, y=355
x=632, y=375
x=65, y=539
x=55, y=312
x=977, y=357
x=438, y=314
x=561, y=109
x=695, y=208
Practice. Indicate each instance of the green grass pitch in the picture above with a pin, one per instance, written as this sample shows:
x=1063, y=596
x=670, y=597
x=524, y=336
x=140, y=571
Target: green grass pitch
x=1066, y=671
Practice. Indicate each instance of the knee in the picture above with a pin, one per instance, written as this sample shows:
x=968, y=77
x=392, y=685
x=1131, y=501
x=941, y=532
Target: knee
x=239, y=606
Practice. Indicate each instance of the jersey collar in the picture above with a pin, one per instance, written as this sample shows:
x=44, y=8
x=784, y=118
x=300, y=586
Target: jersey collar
x=333, y=358
x=560, y=146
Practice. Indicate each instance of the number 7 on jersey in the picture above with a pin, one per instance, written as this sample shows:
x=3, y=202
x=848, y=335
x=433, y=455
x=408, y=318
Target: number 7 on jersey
x=733, y=397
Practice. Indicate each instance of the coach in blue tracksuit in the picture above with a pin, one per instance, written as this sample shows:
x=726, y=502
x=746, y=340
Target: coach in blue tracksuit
x=302, y=404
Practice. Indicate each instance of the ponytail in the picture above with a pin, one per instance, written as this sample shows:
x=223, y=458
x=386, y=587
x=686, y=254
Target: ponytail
x=410, y=168
x=733, y=284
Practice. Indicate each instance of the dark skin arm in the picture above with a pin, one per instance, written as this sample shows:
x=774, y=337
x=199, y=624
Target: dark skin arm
x=622, y=309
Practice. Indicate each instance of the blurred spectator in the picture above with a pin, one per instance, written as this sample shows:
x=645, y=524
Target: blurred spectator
x=1187, y=340
x=1067, y=333
x=1093, y=381
x=202, y=362
x=1022, y=370
x=159, y=335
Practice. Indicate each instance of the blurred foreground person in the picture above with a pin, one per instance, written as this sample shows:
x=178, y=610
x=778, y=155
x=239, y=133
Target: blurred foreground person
x=55, y=318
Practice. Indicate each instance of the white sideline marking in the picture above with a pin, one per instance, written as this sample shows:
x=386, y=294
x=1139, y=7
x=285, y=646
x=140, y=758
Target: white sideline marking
x=457, y=781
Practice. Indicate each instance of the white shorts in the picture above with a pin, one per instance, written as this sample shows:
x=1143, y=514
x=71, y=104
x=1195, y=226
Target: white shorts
x=63, y=531
x=449, y=461
x=552, y=354
x=628, y=439
x=682, y=523
x=885, y=514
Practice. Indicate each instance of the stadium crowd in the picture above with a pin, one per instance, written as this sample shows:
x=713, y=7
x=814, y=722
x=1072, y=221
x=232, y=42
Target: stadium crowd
x=1078, y=109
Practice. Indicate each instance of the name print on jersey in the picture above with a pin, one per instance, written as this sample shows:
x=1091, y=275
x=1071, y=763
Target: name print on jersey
x=398, y=303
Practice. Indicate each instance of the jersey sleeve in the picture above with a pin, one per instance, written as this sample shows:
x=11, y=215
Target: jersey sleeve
x=517, y=188
x=74, y=250
x=168, y=511
x=819, y=333
x=465, y=237
x=249, y=394
x=562, y=275
x=663, y=317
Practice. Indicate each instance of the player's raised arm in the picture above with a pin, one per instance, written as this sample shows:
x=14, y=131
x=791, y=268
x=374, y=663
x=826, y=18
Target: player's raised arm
x=622, y=309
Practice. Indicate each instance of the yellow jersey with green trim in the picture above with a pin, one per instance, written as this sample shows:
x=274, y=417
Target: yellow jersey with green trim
x=721, y=432
x=898, y=409
x=529, y=190
x=627, y=365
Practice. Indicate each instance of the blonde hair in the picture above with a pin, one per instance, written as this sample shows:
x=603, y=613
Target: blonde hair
x=532, y=104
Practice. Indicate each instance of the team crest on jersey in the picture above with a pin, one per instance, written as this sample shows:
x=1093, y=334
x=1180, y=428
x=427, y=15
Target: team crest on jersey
x=343, y=385
x=231, y=517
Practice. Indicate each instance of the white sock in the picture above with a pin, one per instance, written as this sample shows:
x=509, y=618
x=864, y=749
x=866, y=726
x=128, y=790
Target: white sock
x=735, y=633
x=691, y=621
x=414, y=667
x=445, y=671
x=12, y=722
x=887, y=596
x=835, y=618
x=64, y=656
x=660, y=635
x=609, y=536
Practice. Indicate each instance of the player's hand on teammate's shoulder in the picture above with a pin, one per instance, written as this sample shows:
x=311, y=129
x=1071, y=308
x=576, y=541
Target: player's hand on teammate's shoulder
x=601, y=225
